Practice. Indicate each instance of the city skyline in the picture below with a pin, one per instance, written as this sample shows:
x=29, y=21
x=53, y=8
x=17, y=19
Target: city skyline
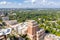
x=29, y=3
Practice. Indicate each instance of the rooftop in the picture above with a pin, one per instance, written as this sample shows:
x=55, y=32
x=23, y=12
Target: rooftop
x=12, y=22
x=52, y=36
x=5, y=31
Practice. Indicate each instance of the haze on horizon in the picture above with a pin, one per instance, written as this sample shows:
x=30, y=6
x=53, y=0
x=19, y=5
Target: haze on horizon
x=29, y=3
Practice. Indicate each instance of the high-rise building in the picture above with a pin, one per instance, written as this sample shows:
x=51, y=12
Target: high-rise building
x=32, y=28
x=34, y=32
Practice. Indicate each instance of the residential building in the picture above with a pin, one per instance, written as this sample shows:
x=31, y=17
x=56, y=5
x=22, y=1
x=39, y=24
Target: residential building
x=34, y=33
x=29, y=27
x=51, y=37
x=20, y=28
x=4, y=33
x=5, y=18
x=10, y=23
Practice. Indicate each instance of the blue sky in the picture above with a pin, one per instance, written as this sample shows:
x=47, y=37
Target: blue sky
x=29, y=3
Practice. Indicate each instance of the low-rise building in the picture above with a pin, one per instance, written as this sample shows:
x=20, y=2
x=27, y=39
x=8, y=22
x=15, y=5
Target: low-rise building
x=21, y=28
x=2, y=14
x=51, y=37
x=4, y=33
x=5, y=19
x=11, y=23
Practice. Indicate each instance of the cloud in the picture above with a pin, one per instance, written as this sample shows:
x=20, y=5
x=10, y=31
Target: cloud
x=30, y=4
x=40, y=4
x=3, y=2
x=44, y=1
x=33, y=1
x=19, y=4
x=6, y=4
x=30, y=1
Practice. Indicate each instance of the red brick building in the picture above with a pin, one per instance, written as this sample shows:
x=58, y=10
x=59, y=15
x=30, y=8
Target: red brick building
x=33, y=30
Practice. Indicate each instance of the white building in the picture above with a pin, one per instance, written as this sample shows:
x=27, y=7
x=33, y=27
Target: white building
x=21, y=28
x=4, y=33
x=51, y=37
x=40, y=34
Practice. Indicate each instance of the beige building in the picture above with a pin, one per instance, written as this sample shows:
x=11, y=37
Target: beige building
x=10, y=23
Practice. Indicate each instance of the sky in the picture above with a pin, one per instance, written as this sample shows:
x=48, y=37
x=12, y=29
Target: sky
x=29, y=3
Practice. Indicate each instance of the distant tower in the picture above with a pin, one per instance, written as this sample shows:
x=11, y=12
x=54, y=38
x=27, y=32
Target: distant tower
x=32, y=28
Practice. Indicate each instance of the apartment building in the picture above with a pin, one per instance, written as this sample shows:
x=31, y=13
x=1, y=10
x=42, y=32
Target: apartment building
x=30, y=27
x=34, y=33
